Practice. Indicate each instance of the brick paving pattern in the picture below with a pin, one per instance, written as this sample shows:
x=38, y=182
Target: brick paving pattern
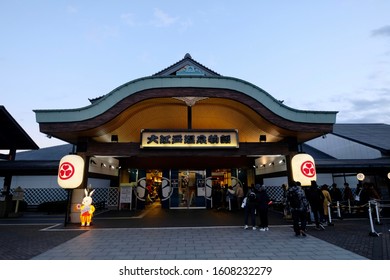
x=23, y=238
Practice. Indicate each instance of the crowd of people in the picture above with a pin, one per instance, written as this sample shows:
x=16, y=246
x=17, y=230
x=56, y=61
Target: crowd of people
x=226, y=197
x=313, y=202
x=304, y=204
x=309, y=204
x=254, y=203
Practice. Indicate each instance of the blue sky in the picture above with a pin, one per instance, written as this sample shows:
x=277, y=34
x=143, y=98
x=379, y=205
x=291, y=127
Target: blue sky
x=331, y=55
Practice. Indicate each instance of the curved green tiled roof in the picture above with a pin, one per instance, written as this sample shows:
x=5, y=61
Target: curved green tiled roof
x=154, y=82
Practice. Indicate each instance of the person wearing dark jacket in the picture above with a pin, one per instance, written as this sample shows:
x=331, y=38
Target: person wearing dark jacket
x=335, y=193
x=262, y=206
x=297, y=202
x=250, y=208
x=316, y=200
x=347, y=195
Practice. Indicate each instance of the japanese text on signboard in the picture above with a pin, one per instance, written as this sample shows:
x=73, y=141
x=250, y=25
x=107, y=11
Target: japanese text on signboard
x=200, y=139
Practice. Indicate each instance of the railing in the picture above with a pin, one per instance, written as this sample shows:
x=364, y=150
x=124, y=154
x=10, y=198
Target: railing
x=373, y=207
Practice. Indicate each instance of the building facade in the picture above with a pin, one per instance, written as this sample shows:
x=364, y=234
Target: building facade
x=183, y=132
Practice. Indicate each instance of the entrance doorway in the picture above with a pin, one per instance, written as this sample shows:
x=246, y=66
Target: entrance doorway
x=153, y=186
x=189, y=190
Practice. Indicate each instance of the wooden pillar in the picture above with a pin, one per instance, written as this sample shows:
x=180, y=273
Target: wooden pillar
x=8, y=178
x=189, y=117
x=78, y=193
x=293, y=148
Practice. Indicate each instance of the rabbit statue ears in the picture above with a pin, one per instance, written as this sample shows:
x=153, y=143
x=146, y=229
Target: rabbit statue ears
x=90, y=194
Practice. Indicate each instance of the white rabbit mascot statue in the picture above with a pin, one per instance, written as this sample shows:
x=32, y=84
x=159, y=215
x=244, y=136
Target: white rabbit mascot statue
x=86, y=209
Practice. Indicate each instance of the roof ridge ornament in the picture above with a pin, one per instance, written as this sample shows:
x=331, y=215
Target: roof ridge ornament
x=190, y=100
x=190, y=69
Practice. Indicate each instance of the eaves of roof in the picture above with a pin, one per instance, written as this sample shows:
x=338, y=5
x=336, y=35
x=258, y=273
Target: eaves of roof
x=12, y=135
x=21, y=167
x=133, y=87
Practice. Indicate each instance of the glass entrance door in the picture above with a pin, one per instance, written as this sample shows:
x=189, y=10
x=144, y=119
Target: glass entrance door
x=189, y=190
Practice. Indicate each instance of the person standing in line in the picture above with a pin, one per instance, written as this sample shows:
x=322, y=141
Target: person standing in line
x=347, y=194
x=262, y=206
x=327, y=200
x=286, y=212
x=335, y=193
x=239, y=195
x=373, y=194
x=298, y=205
x=316, y=198
x=230, y=197
x=216, y=192
x=250, y=208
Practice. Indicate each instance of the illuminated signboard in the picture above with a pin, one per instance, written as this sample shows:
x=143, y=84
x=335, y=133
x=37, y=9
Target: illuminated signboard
x=303, y=169
x=189, y=139
x=70, y=172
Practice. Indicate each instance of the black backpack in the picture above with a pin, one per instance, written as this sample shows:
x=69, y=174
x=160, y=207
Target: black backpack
x=293, y=199
x=316, y=196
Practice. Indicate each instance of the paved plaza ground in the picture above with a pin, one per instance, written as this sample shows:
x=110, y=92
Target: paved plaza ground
x=156, y=233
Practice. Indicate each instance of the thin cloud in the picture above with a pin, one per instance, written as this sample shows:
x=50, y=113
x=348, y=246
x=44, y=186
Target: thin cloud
x=370, y=108
x=383, y=31
x=72, y=9
x=129, y=19
x=162, y=19
x=364, y=106
x=99, y=34
x=186, y=24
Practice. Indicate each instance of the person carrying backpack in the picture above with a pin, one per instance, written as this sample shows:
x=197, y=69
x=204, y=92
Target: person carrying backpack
x=298, y=205
x=250, y=208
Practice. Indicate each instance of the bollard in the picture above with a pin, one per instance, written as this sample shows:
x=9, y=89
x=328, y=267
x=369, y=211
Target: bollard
x=338, y=210
x=330, y=216
x=349, y=206
x=373, y=232
x=230, y=204
x=378, y=221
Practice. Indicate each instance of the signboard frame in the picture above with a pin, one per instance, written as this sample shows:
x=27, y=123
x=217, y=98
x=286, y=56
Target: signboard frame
x=193, y=138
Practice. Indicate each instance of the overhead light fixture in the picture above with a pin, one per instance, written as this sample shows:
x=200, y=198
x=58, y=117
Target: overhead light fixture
x=103, y=165
x=92, y=161
x=263, y=138
x=114, y=138
x=271, y=163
